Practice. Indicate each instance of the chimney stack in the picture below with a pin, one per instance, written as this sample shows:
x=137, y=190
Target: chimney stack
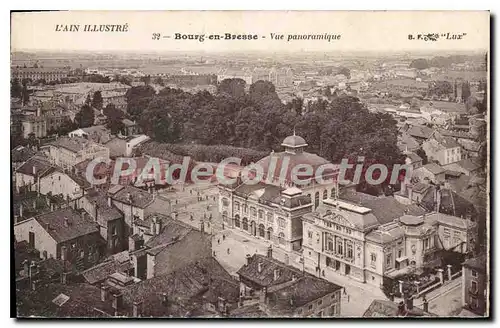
x=117, y=302
x=158, y=224
x=137, y=309
x=248, y=257
x=259, y=267
x=152, y=227
x=426, y=305
x=104, y=293
x=270, y=252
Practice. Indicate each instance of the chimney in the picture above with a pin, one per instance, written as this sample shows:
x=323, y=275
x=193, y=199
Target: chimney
x=117, y=302
x=259, y=267
x=426, y=305
x=270, y=252
x=137, y=309
x=276, y=274
x=66, y=222
x=158, y=226
x=64, y=253
x=152, y=227
x=248, y=257
x=104, y=293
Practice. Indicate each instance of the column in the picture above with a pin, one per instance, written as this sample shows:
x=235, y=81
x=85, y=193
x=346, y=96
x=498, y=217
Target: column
x=449, y=271
x=441, y=277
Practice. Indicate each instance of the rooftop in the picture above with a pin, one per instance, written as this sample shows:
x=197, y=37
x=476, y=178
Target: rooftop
x=132, y=195
x=434, y=168
x=66, y=224
x=74, y=144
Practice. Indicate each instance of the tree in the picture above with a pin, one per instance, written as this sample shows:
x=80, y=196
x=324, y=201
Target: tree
x=146, y=79
x=115, y=118
x=85, y=117
x=421, y=153
x=159, y=81
x=465, y=91
x=419, y=63
x=138, y=99
x=15, y=88
x=232, y=87
x=345, y=71
x=97, y=100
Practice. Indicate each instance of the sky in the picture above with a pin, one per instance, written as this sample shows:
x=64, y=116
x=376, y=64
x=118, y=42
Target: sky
x=359, y=31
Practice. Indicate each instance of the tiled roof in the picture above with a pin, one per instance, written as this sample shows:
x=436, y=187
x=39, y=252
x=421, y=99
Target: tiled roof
x=414, y=157
x=265, y=277
x=267, y=193
x=248, y=311
x=386, y=235
x=478, y=263
x=36, y=166
x=101, y=271
x=419, y=131
x=172, y=231
x=383, y=308
x=105, y=212
x=139, y=198
x=54, y=224
x=433, y=168
x=21, y=154
x=183, y=289
x=469, y=164
x=446, y=141
x=385, y=209
x=74, y=144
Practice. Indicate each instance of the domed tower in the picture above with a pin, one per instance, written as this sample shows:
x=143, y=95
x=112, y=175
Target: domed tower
x=294, y=144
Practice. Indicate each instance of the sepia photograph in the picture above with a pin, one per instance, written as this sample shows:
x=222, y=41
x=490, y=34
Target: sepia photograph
x=250, y=164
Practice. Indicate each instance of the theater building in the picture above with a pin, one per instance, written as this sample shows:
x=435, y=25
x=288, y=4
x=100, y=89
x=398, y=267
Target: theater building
x=272, y=209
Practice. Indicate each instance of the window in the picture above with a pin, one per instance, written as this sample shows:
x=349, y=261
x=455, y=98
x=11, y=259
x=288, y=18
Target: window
x=400, y=253
x=320, y=302
x=474, y=273
x=270, y=218
x=427, y=243
x=73, y=245
x=473, y=302
x=373, y=258
x=340, y=247
x=325, y=194
x=225, y=202
x=281, y=222
x=329, y=242
x=261, y=214
x=253, y=211
x=309, y=234
x=349, y=250
x=236, y=206
x=299, y=311
x=348, y=231
x=316, y=199
x=320, y=313
x=281, y=238
x=388, y=261
x=339, y=228
x=446, y=233
x=473, y=286
x=310, y=307
x=114, y=231
x=333, y=309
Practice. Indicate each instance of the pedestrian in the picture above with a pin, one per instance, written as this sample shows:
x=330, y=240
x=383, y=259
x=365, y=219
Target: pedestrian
x=218, y=241
x=214, y=253
x=223, y=237
x=347, y=298
x=228, y=250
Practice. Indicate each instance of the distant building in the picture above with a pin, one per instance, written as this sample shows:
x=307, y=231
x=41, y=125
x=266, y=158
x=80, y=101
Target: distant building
x=47, y=74
x=469, y=166
x=66, y=152
x=444, y=149
x=432, y=172
x=475, y=285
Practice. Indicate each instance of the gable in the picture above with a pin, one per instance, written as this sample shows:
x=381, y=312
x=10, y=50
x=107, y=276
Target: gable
x=338, y=219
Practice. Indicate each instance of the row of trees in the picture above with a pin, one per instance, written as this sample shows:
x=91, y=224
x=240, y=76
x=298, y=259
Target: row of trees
x=438, y=61
x=257, y=119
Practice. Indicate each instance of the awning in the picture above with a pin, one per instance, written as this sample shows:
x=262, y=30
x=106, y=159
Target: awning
x=402, y=258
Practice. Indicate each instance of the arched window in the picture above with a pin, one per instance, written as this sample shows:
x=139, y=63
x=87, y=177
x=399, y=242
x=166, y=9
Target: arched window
x=270, y=218
x=245, y=224
x=269, y=233
x=261, y=214
x=325, y=194
x=262, y=231
x=281, y=238
x=237, y=221
x=236, y=206
x=316, y=199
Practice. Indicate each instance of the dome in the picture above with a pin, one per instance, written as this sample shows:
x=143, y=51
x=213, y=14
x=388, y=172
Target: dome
x=294, y=142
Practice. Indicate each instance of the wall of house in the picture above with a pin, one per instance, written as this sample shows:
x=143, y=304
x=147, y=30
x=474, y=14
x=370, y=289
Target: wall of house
x=43, y=241
x=60, y=183
x=470, y=297
x=23, y=180
x=374, y=269
x=326, y=306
